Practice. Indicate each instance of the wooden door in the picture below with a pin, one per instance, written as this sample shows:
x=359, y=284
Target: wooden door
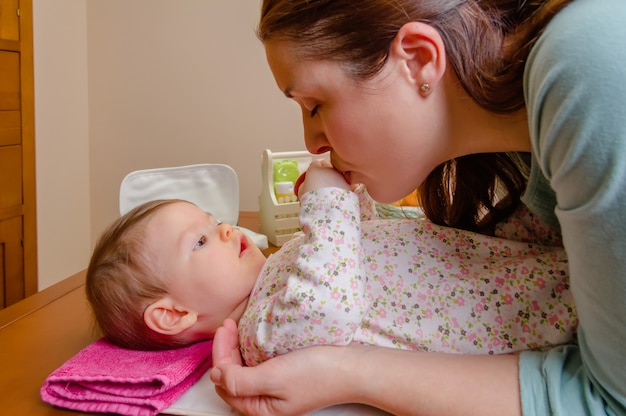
x=18, y=245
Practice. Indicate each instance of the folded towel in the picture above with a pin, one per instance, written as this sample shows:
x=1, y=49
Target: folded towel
x=104, y=378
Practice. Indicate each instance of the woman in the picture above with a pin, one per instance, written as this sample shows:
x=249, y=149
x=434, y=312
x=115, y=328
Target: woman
x=450, y=97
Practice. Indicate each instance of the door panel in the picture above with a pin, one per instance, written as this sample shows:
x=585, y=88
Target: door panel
x=9, y=20
x=18, y=232
x=10, y=129
x=9, y=80
x=10, y=176
x=11, y=261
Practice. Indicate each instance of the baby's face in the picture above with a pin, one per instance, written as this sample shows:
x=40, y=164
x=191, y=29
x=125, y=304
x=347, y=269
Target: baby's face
x=210, y=267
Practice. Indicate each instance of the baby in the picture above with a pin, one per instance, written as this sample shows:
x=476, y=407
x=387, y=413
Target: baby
x=168, y=274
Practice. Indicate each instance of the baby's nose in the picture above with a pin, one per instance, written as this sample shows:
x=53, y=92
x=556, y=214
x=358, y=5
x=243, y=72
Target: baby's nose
x=226, y=231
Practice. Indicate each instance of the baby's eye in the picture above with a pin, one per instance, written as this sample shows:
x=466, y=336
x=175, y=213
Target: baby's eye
x=313, y=112
x=200, y=243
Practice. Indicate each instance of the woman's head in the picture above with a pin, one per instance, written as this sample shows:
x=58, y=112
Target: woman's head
x=481, y=48
x=357, y=70
x=122, y=281
x=359, y=34
x=486, y=41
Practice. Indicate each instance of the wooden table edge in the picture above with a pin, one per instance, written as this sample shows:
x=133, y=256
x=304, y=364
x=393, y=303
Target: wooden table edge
x=40, y=299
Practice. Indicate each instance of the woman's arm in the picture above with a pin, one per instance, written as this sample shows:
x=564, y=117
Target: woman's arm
x=398, y=381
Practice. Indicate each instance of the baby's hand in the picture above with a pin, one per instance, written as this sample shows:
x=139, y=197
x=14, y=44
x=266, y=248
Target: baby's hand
x=320, y=174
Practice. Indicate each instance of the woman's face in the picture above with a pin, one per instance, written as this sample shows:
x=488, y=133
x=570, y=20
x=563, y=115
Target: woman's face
x=380, y=131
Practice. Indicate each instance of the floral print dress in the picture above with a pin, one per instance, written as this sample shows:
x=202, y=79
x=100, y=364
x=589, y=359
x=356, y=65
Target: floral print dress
x=407, y=283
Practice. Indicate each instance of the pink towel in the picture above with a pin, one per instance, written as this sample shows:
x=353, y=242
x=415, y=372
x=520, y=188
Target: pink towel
x=104, y=378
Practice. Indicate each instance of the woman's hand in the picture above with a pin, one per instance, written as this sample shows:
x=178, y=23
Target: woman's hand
x=398, y=381
x=291, y=384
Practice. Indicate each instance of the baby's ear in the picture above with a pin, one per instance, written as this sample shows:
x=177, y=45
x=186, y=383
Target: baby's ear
x=165, y=317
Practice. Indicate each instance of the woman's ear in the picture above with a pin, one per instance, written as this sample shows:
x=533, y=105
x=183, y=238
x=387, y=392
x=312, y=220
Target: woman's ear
x=165, y=317
x=420, y=49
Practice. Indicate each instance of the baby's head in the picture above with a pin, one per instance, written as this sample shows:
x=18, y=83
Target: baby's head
x=167, y=274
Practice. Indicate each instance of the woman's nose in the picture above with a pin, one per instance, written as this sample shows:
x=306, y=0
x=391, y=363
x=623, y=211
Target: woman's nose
x=314, y=137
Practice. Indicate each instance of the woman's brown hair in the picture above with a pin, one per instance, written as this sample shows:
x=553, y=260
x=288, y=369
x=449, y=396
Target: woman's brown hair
x=487, y=44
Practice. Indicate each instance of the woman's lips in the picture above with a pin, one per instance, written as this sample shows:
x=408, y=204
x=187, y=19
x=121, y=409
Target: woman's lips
x=347, y=176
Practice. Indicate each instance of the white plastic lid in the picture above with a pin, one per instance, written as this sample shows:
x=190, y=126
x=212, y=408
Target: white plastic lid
x=284, y=187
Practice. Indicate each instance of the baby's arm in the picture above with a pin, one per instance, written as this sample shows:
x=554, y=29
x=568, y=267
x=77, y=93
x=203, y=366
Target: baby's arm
x=323, y=175
x=311, y=291
x=320, y=174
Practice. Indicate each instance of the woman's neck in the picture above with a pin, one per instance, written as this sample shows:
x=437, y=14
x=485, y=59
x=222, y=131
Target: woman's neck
x=477, y=130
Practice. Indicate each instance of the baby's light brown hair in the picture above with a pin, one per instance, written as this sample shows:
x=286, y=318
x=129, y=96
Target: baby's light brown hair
x=123, y=279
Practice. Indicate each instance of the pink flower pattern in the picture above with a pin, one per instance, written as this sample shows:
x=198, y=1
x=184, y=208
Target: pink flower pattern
x=407, y=283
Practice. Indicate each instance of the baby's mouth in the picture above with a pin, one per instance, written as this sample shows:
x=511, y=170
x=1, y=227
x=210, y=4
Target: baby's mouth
x=243, y=245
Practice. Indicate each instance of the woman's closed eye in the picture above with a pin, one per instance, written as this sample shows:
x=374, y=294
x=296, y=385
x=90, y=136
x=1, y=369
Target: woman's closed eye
x=313, y=112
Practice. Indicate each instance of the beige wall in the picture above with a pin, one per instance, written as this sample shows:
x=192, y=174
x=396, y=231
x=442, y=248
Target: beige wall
x=124, y=85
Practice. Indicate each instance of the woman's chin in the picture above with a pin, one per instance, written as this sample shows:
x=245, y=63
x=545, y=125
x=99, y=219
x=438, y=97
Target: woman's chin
x=383, y=196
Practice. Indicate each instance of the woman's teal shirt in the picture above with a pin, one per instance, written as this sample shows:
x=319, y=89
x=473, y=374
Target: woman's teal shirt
x=575, y=90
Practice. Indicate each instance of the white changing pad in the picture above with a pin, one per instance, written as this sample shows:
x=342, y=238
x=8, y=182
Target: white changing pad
x=212, y=187
x=202, y=400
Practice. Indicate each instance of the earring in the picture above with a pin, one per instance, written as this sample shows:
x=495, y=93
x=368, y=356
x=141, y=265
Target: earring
x=425, y=88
